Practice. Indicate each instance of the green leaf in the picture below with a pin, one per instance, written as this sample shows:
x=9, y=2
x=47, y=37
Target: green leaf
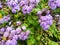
x=53, y=30
x=53, y=43
x=31, y=40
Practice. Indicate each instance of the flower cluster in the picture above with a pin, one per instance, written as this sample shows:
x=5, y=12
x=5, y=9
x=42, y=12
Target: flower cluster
x=9, y=35
x=45, y=19
x=4, y=19
x=54, y=4
x=1, y=5
x=14, y=5
x=26, y=5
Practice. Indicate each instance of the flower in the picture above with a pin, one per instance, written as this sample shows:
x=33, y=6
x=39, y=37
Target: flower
x=26, y=5
x=1, y=5
x=45, y=20
x=53, y=4
x=24, y=27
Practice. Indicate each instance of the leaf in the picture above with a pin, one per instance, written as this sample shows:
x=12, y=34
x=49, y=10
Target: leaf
x=53, y=30
x=53, y=43
x=2, y=12
x=31, y=40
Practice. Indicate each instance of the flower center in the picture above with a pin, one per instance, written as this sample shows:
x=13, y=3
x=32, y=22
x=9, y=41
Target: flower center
x=43, y=13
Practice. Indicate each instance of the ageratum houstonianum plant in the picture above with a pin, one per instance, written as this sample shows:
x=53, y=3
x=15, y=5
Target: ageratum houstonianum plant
x=29, y=22
x=26, y=5
x=9, y=35
x=4, y=19
x=1, y=5
x=54, y=4
x=45, y=19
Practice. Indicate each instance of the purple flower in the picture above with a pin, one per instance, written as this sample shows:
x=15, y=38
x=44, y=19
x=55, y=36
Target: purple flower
x=13, y=11
x=39, y=13
x=22, y=3
x=46, y=27
x=45, y=20
x=14, y=42
x=8, y=42
x=26, y=5
x=32, y=1
x=58, y=3
x=37, y=1
x=0, y=5
x=25, y=37
x=1, y=21
x=27, y=32
x=8, y=29
x=18, y=30
x=22, y=34
x=20, y=37
x=24, y=9
x=2, y=29
x=6, y=34
x=14, y=5
x=17, y=8
x=13, y=32
x=43, y=24
x=2, y=42
x=54, y=4
x=6, y=18
x=29, y=9
x=24, y=27
x=18, y=23
x=15, y=37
